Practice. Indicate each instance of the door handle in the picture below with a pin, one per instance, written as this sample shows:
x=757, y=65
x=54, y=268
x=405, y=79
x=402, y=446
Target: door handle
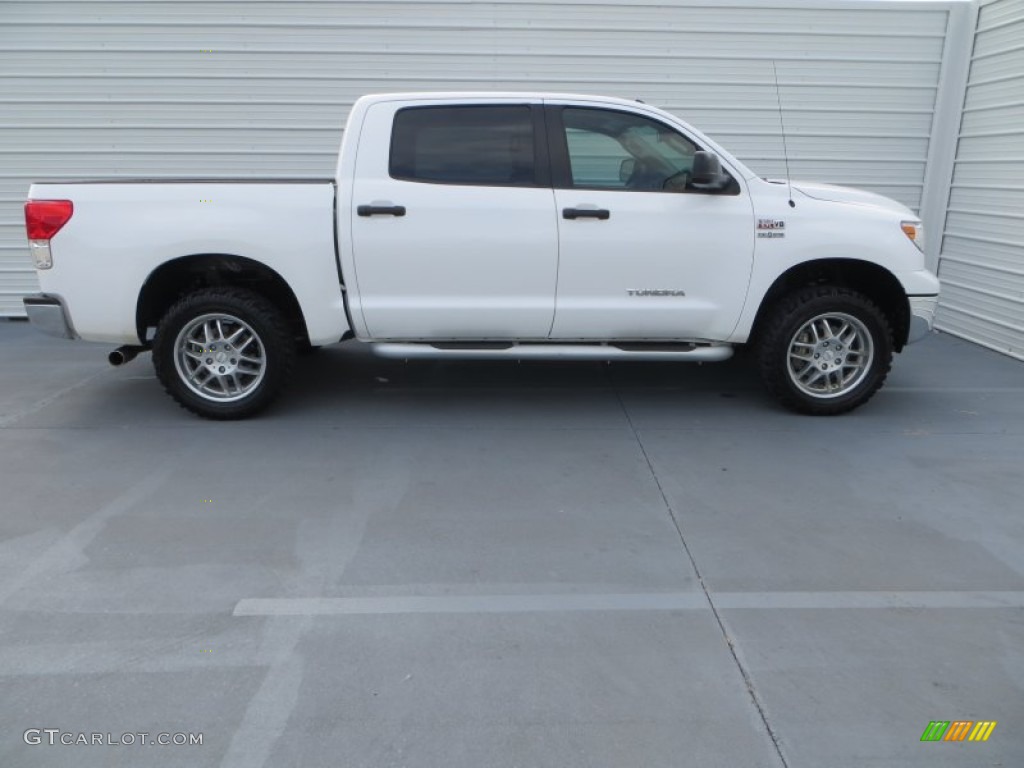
x=586, y=213
x=381, y=210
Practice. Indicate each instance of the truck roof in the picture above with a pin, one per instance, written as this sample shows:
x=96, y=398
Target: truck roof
x=503, y=95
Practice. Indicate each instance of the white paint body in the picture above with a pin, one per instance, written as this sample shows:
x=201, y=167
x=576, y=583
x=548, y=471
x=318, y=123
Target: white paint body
x=473, y=263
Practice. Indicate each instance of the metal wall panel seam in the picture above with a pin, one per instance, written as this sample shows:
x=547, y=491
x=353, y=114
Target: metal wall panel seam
x=946, y=124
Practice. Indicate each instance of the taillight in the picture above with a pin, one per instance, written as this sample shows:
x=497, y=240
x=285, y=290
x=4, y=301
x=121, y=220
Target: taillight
x=43, y=220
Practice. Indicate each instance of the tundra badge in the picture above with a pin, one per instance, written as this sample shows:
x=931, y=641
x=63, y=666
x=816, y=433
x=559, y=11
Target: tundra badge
x=654, y=292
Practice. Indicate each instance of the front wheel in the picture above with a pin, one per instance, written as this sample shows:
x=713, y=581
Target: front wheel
x=824, y=350
x=223, y=353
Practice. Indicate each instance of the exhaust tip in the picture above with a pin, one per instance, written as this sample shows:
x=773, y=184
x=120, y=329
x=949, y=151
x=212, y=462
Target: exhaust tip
x=123, y=355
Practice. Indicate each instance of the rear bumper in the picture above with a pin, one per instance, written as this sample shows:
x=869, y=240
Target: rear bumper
x=48, y=315
x=922, y=317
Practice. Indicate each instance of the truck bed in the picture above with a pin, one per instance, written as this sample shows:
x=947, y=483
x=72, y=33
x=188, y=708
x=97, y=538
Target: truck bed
x=122, y=230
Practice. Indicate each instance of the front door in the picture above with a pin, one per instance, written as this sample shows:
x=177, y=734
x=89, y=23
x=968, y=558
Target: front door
x=643, y=253
x=453, y=229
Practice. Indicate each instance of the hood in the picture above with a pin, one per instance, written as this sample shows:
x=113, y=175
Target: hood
x=836, y=194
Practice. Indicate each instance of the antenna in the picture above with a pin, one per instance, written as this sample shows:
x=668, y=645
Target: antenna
x=782, y=124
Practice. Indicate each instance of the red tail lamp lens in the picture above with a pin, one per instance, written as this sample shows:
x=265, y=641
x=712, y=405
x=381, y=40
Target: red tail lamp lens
x=44, y=218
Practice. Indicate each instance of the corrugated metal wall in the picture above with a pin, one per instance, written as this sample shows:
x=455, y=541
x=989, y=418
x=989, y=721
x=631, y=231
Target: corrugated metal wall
x=261, y=88
x=982, y=258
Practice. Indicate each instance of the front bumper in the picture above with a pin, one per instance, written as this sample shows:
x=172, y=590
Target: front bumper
x=922, y=317
x=49, y=315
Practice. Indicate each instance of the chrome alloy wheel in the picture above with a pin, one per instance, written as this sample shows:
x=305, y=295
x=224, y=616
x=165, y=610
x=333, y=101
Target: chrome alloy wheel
x=220, y=357
x=830, y=355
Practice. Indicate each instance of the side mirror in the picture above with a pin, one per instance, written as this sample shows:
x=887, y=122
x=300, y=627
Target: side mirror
x=626, y=168
x=707, y=171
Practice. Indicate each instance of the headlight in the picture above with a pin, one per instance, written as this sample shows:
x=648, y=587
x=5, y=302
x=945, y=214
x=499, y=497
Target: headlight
x=914, y=231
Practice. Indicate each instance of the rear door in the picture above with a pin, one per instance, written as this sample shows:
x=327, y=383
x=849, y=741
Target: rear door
x=644, y=254
x=453, y=230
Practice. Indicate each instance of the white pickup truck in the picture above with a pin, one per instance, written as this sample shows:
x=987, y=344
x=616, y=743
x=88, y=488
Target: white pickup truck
x=488, y=225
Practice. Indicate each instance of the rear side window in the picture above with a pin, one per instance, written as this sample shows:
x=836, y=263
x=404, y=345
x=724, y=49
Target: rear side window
x=488, y=146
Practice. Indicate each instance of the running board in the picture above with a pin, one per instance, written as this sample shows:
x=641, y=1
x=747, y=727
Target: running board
x=545, y=351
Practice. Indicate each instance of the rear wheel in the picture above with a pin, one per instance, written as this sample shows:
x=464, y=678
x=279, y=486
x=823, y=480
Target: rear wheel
x=223, y=353
x=825, y=350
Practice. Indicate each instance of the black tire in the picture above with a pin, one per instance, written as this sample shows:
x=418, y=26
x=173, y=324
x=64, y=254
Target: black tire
x=829, y=307
x=258, y=383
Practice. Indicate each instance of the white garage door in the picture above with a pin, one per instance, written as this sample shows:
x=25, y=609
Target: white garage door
x=982, y=259
x=208, y=87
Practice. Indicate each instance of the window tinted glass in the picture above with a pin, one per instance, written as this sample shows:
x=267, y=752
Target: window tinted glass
x=618, y=150
x=464, y=145
x=595, y=158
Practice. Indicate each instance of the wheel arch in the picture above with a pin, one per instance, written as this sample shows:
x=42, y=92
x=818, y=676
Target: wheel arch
x=178, y=277
x=866, y=277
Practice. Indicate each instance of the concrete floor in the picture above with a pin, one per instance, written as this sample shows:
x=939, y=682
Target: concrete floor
x=489, y=564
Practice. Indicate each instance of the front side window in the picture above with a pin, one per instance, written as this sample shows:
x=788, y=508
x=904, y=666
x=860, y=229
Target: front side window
x=486, y=145
x=620, y=150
